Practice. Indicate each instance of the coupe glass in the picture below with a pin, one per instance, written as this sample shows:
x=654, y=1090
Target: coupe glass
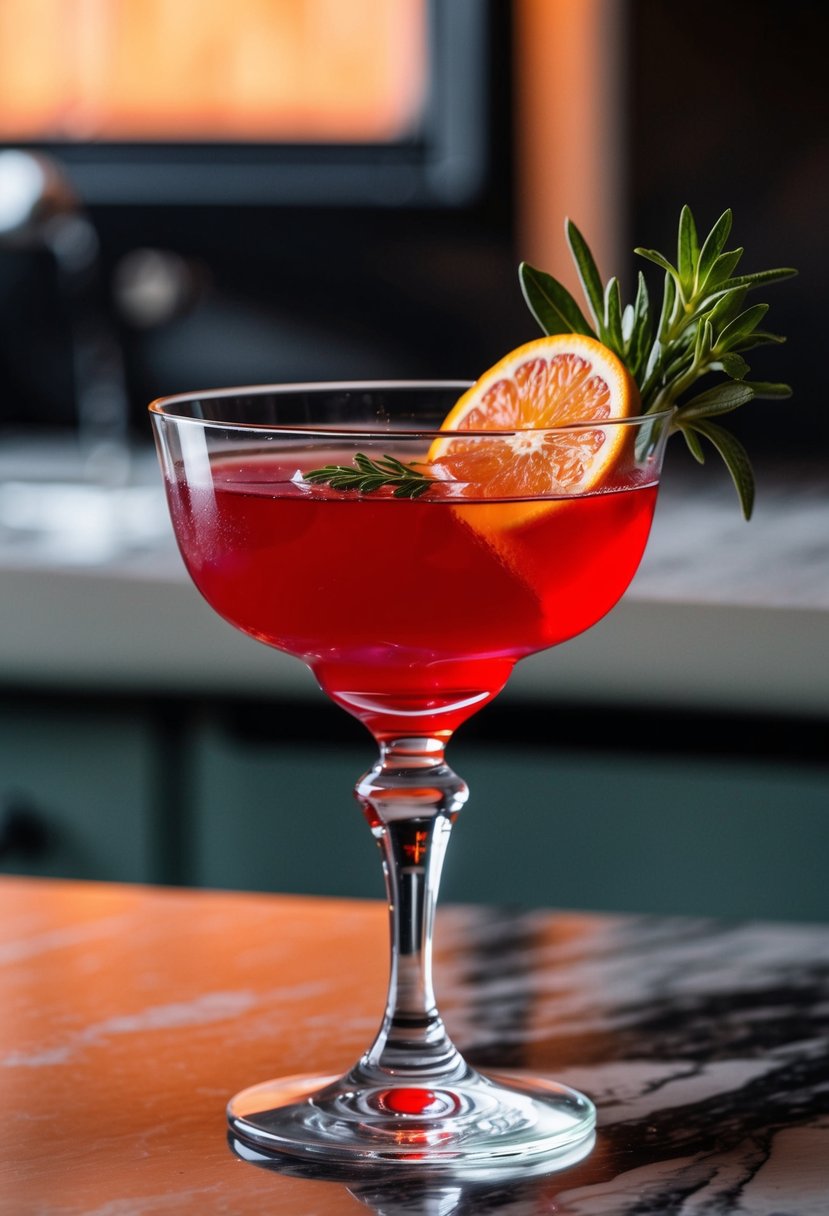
x=411, y=612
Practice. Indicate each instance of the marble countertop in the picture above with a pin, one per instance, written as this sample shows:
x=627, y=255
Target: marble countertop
x=722, y=614
x=129, y=1015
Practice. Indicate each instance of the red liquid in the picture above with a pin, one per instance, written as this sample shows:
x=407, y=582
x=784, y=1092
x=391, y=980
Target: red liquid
x=410, y=617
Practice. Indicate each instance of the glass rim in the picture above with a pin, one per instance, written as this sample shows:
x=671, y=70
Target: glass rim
x=160, y=408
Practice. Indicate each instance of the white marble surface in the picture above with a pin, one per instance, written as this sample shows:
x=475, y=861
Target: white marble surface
x=717, y=1073
x=721, y=615
x=702, y=551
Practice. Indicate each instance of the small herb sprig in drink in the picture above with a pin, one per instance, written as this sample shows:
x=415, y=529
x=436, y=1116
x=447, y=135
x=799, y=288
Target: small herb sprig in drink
x=367, y=475
x=702, y=327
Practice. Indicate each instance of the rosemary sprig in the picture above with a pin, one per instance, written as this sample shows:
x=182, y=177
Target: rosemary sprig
x=700, y=329
x=367, y=475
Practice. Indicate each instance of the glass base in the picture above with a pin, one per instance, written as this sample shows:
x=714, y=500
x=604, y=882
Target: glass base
x=474, y=1122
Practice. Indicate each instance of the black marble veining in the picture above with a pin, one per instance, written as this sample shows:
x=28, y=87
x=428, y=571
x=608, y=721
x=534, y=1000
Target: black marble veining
x=705, y=1045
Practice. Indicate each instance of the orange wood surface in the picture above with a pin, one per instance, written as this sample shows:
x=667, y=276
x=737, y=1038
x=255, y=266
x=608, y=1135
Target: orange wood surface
x=128, y=1016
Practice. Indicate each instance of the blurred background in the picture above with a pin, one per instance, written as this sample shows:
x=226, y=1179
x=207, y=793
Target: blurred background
x=198, y=193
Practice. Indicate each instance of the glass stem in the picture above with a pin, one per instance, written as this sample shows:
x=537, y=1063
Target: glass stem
x=411, y=799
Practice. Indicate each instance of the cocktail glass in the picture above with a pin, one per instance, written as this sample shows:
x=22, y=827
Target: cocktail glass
x=411, y=612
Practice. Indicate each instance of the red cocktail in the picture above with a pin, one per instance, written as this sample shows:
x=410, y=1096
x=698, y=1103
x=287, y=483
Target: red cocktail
x=424, y=626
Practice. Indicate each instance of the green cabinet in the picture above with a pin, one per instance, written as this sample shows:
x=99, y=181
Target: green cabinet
x=76, y=792
x=281, y=817
x=544, y=826
x=182, y=791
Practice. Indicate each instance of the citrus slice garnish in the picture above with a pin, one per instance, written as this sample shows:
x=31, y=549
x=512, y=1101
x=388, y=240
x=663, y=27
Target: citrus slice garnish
x=563, y=381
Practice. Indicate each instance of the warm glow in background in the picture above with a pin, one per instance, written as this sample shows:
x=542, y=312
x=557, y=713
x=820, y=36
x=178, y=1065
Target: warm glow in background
x=211, y=69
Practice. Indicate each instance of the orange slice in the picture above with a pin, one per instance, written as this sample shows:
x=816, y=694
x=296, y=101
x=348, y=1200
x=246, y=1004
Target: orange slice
x=558, y=381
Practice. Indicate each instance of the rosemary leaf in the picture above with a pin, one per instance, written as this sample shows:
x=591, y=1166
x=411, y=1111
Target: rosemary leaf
x=772, y=392
x=366, y=476
x=720, y=271
x=734, y=365
x=668, y=301
x=760, y=337
x=641, y=337
x=587, y=271
x=763, y=277
x=613, y=318
x=719, y=399
x=736, y=461
x=654, y=256
x=551, y=304
x=711, y=255
x=694, y=445
x=727, y=306
x=687, y=252
x=742, y=325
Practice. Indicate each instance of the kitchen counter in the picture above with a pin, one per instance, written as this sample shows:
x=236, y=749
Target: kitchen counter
x=128, y=1015
x=721, y=615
